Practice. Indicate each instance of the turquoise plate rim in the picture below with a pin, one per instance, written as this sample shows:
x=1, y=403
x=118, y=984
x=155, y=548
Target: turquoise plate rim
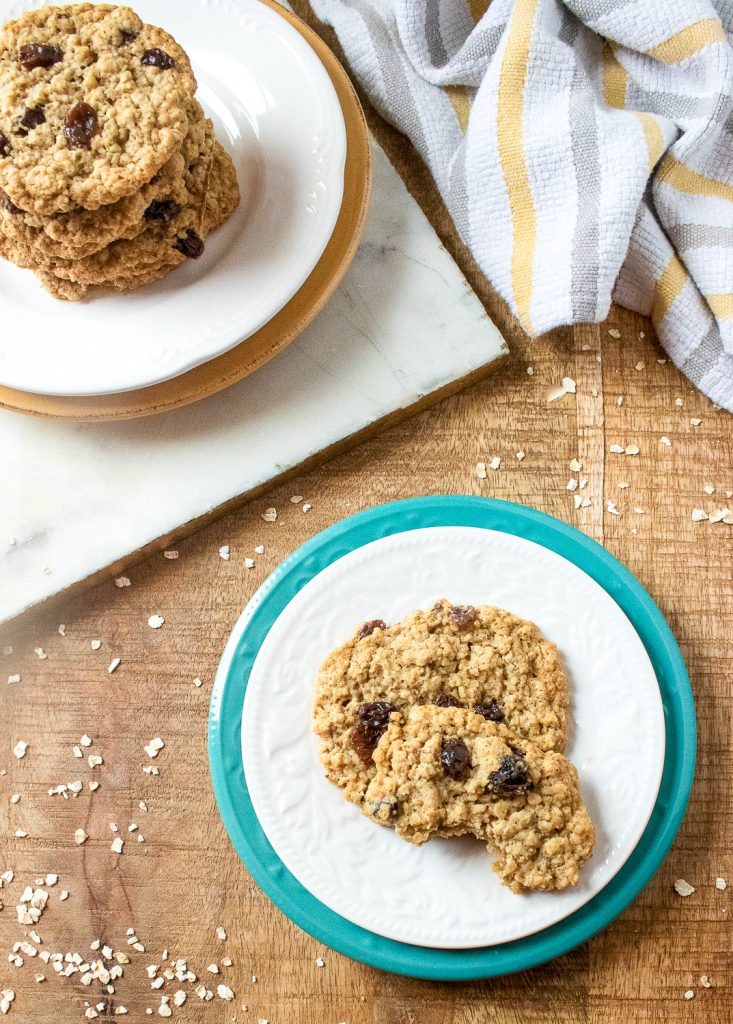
x=250, y=842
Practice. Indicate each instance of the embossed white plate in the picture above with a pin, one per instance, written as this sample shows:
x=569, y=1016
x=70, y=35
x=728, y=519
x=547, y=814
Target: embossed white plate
x=444, y=894
x=277, y=113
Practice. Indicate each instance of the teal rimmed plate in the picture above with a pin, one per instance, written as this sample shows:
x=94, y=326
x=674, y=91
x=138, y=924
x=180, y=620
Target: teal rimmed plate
x=225, y=737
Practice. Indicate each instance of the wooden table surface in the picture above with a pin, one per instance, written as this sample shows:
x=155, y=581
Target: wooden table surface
x=175, y=888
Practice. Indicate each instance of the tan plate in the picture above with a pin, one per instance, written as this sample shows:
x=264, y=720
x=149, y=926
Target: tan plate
x=285, y=326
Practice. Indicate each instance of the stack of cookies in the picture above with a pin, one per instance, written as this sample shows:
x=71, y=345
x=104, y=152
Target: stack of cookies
x=453, y=722
x=110, y=174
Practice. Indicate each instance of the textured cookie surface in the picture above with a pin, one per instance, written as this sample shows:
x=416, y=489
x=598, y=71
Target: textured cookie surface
x=93, y=102
x=208, y=197
x=32, y=241
x=474, y=657
x=448, y=771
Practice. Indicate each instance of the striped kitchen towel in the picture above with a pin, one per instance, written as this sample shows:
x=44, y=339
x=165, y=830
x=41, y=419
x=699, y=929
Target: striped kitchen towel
x=584, y=150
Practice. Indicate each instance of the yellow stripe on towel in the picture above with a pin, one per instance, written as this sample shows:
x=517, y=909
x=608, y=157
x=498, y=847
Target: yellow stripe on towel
x=689, y=41
x=721, y=305
x=669, y=285
x=654, y=136
x=615, y=79
x=510, y=129
x=682, y=178
x=478, y=8
x=459, y=97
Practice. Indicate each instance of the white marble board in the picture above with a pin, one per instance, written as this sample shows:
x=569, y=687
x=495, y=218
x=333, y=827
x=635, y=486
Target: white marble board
x=403, y=325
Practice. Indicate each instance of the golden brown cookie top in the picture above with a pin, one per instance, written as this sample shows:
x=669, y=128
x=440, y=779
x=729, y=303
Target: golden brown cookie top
x=448, y=771
x=472, y=657
x=93, y=102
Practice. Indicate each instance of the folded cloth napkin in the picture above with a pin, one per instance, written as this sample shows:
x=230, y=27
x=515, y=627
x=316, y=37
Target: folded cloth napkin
x=584, y=150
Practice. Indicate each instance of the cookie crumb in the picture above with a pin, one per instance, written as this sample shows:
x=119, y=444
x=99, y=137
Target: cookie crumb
x=720, y=883
x=270, y=514
x=122, y=581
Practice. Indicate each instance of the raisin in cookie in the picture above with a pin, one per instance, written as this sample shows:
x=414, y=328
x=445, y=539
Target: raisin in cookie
x=211, y=196
x=483, y=658
x=33, y=241
x=93, y=102
x=448, y=771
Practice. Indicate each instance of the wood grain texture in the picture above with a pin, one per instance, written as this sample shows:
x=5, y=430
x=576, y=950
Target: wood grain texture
x=184, y=880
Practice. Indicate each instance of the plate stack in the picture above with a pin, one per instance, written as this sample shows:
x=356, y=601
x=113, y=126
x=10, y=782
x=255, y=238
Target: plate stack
x=437, y=910
x=292, y=140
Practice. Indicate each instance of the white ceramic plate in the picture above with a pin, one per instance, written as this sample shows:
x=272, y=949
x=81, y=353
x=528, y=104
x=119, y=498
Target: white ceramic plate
x=444, y=894
x=277, y=113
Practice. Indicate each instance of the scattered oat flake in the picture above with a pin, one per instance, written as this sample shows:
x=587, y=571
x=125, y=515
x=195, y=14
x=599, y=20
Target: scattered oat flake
x=170, y=554
x=198, y=682
x=86, y=741
x=585, y=348
x=15, y=678
x=122, y=581
x=665, y=441
x=224, y=992
x=114, y=665
x=15, y=798
x=117, y=844
x=20, y=748
x=153, y=748
x=614, y=333
x=623, y=485
x=64, y=895
x=156, y=621
x=179, y=998
x=95, y=644
x=62, y=629
x=695, y=421
x=270, y=514
x=225, y=552
x=720, y=883
x=620, y=401
x=575, y=465
x=320, y=962
x=307, y=507
x=679, y=403
x=683, y=888
x=495, y=463
x=221, y=933
x=249, y=563
x=699, y=515
x=20, y=834
x=481, y=470
x=80, y=836
x=705, y=981
x=78, y=752
x=260, y=549
x=569, y=384
x=41, y=653
x=640, y=365
x=530, y=371
x=520, y=456
x=709, y=489
x=95, y=760
x=616, y=449
x=612, y=508
x=571, y=485
x=689, y=994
